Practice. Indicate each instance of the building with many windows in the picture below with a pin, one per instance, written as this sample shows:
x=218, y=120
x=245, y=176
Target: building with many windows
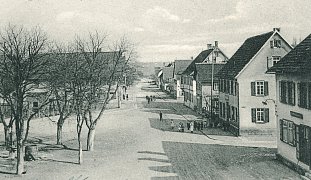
x=293, y=101
x=213, y=54
x=244, y=85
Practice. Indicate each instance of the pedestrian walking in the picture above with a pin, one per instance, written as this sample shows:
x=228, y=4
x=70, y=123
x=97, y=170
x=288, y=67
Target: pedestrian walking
x=172, y=124
x=181, y=127
x=123, y=97
x=191, y=126
x=161, y=115
x=127, y=97
x=188, y=125
x=150, y=98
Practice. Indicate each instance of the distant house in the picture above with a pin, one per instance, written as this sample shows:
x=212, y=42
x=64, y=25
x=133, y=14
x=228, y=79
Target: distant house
x=179, y=67
x=293, y=102
x=212, y=54
x=244, y=85
x=167, y=77
x=207, y=87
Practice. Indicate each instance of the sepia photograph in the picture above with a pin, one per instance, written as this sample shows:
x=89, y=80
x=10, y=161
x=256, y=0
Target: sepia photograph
x=155, y=90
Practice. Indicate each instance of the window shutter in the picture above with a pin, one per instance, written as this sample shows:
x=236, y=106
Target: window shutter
x=254, y=115
x=266, y=115
x=299, y=91
x=271, y=43
x=279, y=43
x=266, y=87
x=294, y=134
x=253, y=89
x=281, y=129
x=294, y=94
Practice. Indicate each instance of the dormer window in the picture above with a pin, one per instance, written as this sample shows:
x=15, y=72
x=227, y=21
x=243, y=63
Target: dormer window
x=275, y=43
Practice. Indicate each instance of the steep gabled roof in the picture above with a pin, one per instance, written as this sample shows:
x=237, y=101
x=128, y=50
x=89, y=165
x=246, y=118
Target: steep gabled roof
x=180, y=66
x=296, y=61
x=243, y=55
x=200, y=58
x=204, y=71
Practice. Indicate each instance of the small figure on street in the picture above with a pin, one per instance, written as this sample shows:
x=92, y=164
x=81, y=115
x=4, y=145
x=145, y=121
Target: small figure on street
x=127, y=97
x=201, y=124
x=195, y=125
x=161, y=115
x=188, y=125
x=181, y=127
x=153, y=98
x=191, y=126
x=172, y=124
x=123, y=97
x=150, y=98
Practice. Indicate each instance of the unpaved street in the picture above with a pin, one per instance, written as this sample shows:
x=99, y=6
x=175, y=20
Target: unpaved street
x=131, y=143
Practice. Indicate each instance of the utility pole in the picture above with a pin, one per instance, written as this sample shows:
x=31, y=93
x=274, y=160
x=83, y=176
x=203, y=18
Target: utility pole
x=212, y=86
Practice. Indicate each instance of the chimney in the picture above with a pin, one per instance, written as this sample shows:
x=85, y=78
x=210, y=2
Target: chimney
x=277, y=29
x=216, y=44
x=209, y=46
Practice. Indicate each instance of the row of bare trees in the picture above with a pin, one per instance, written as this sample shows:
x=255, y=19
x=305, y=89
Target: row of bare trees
x=78, y=78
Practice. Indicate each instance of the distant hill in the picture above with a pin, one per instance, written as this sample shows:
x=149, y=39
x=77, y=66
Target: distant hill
x=147, y=68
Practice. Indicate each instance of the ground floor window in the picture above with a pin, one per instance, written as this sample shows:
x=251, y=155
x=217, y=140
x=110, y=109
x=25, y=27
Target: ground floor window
x=260, y=115
x=287, y=132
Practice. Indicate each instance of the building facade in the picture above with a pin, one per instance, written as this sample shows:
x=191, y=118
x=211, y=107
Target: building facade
x=293, y=100
x=244, y=85
x=214, y=55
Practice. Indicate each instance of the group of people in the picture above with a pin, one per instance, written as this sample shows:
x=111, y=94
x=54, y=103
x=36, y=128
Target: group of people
x=192, y=125
x=127, y=97
x=150, y=98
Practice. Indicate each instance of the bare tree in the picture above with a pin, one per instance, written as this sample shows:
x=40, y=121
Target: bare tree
x=104, y=71
x=22, y=64
x=58, y=78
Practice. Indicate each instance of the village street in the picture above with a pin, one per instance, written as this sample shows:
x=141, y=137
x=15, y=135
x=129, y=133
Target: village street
x=131, y=143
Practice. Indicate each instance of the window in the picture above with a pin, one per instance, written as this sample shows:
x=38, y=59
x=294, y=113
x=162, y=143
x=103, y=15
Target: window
x=287, y=132
x=276, y=43
x=302, y=95
x=287, y=92
x=215, y=86
x=275, y=59
x=260, y=115
x=231, y=87
x=259, y=88
x=35, y=104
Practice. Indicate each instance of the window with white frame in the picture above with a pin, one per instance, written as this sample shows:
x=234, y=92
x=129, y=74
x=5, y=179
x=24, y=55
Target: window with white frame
x=275, y=43
x=275, y=59
x=260, y=88
x=287, y=132
x=215, y=86
x=260, y=115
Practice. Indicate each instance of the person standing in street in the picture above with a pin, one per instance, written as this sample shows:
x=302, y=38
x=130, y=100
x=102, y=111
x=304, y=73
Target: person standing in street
x=127, y=97
x=188, y=125
x=191, y=126
x=161, y=115
x=172, y=124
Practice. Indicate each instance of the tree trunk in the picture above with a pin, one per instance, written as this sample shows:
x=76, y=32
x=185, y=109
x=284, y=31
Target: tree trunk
x=80, y=152
x=90, y=139
x=20, y=157
x=59, y=136
x=6, y=137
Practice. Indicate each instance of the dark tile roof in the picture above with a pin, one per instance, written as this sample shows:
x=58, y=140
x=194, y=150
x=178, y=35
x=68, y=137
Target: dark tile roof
x=296, y=61
x=204, y=71
x=243, y=55
x=200, y=58
x=181, y=65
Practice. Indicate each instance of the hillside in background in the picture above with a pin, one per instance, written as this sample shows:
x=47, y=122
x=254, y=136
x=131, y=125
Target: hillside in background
x=147, y=68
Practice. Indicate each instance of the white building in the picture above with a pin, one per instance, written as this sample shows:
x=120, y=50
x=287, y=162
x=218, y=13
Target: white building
x=293, y=101
x=244, y=85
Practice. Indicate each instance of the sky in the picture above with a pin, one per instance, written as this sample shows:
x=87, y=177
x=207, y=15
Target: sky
x=163, y=30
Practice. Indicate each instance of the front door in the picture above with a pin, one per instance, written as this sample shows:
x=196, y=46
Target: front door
x=305, y=144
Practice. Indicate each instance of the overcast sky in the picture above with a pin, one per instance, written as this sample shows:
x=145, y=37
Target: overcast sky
x=164, y=30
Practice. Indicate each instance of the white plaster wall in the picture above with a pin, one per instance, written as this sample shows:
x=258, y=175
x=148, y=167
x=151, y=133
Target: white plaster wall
x=256, y=71
x=283, y=112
